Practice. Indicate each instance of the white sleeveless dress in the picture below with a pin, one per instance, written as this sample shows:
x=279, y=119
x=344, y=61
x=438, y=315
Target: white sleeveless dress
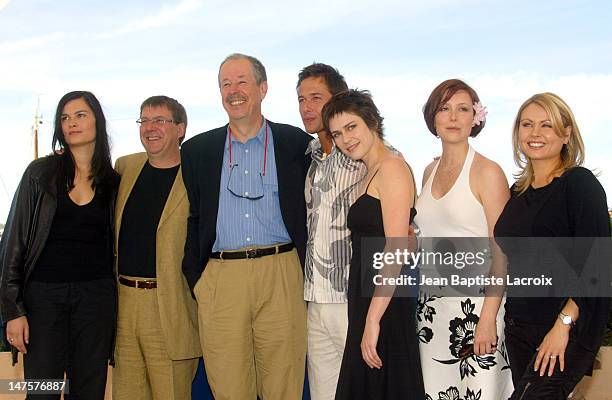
x=445, y=323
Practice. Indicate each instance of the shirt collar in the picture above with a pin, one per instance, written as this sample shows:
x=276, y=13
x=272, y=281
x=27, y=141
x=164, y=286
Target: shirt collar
x=313, y=146
x=261, y=134
x=316, y=150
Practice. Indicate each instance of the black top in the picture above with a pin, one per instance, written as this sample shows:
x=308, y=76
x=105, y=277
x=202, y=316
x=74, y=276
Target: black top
x=572, y=205
x=143, y=209
x=29, y=223
x=77, y=246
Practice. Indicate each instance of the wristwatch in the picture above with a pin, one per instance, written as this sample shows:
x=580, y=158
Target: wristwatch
x=566, y=319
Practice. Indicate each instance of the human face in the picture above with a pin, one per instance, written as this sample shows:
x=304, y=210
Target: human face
x=454, y=119
x=538, y=140
x=352, y=135
x=161, y=141
x=313, y=94
x=78, y=123
x=240, y=93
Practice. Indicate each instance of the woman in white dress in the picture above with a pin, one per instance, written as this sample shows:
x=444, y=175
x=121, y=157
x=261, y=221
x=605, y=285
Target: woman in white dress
x=462, y=348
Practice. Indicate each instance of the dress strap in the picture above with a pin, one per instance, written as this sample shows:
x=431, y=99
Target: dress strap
x=372, y=178
x=414, y=188
x=426, y=189
x=467, y=164
x=463, y=180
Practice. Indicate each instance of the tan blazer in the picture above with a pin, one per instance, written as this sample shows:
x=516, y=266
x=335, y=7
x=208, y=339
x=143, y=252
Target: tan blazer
x=177, y=308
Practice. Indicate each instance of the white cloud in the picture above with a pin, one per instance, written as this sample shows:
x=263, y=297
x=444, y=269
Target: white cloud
x=166, y=16
x=30, y=43
x=269, y=23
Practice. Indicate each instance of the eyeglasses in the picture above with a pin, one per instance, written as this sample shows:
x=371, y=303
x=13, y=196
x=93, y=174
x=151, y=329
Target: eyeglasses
x=154, y=121
x=252, y=189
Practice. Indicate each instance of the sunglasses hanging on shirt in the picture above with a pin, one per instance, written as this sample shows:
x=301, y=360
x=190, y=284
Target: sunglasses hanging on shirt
x=245, y=185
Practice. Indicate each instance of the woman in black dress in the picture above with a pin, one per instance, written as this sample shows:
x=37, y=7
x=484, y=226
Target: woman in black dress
x=57, y=287
x=552, y=341
x=381, y=356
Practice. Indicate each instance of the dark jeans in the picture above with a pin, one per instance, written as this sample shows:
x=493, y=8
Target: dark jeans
x=71, y=330
x=521, y=342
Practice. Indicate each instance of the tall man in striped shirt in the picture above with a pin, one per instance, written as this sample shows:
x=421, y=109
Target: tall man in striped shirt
x=246, y=239
x=331, y=187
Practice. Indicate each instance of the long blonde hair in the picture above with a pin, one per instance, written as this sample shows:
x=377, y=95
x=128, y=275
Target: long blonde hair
x=561, y=117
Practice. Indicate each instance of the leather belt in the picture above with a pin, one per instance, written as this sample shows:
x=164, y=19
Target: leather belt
x=144, y=284
x=252, y=253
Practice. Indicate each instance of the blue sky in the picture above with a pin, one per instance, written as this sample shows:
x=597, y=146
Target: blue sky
x=399, y=50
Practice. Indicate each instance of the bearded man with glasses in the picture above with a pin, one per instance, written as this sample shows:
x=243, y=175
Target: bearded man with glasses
x=246, y=242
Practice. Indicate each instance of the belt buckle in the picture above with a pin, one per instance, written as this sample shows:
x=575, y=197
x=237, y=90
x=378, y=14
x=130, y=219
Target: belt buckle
x=141, y=284
x=251, y=253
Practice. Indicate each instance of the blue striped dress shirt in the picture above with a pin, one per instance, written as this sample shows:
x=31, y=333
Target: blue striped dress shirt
x=252, y=218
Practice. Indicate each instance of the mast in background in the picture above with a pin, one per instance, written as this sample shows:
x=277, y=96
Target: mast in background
x=37, y=121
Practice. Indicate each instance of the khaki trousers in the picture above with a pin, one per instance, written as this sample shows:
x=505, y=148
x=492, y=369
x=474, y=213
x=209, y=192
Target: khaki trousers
x=327, y=327
x=252, y=320
x=143, y=369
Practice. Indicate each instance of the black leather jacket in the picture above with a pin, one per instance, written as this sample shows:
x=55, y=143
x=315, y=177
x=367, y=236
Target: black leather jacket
x=27, y=229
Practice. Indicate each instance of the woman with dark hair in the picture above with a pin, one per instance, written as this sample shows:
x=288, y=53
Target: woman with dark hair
x=552, y=341
x=57, y=288
x=380, y=358
x=461, y=332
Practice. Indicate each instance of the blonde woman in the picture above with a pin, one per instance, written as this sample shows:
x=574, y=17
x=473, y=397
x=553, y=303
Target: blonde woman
x=552, y=341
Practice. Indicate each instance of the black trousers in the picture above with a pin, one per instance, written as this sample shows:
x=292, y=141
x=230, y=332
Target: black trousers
x=521, y=342
x=71, y=330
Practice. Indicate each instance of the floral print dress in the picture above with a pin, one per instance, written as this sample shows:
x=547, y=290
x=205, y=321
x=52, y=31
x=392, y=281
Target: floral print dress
x=446, y=323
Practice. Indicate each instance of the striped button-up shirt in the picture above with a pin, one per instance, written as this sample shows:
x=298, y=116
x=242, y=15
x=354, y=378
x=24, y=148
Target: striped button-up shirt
x=332, y=185
x=249, y=207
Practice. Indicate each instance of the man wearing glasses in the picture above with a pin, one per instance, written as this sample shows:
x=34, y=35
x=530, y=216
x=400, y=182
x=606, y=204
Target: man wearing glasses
x=246, y=240
x=157, y=346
